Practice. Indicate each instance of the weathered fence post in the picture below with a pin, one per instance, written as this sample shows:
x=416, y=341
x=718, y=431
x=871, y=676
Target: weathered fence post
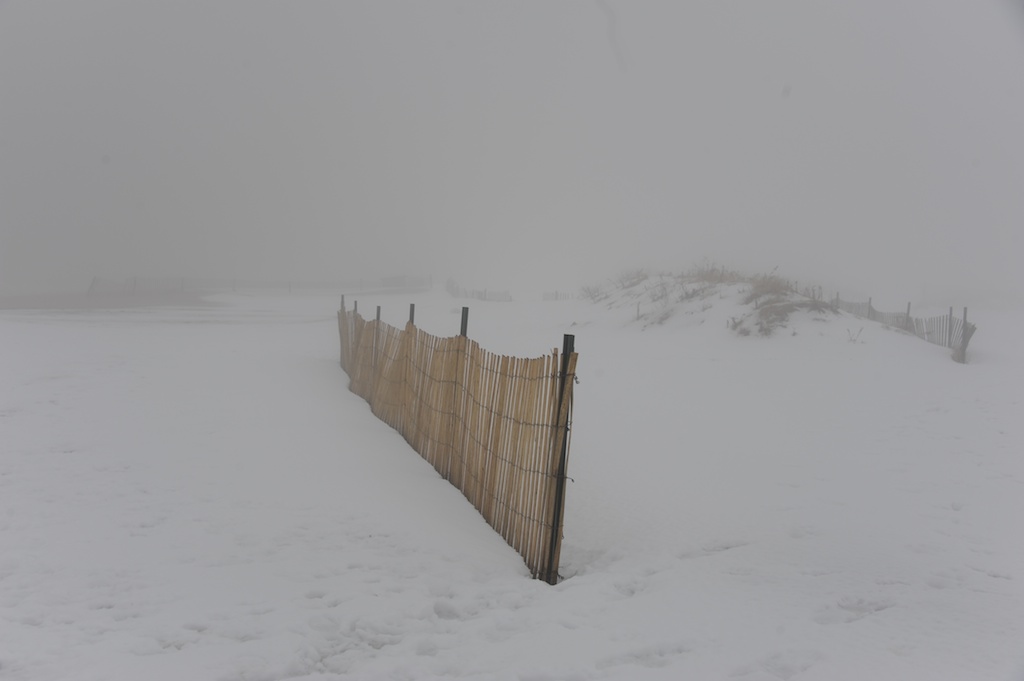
x=906, y=324
x=412, y=313
x=949, y=330
x=457, y=414
x=566, y=376
x=342, y=331
x=960, y=353
x=870, y=310
x=373, y=357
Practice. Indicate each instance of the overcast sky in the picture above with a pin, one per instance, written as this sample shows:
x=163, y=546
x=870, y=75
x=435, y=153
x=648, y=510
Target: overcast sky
x=876, y=144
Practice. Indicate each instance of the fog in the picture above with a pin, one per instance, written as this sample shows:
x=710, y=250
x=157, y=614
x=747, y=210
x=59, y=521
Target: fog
x=871, y=146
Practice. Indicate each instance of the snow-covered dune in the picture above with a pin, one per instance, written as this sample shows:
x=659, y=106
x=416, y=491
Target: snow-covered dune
x=191, y=492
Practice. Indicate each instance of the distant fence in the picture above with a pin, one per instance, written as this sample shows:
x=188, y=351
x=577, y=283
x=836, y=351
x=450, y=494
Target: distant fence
x=496, y=427
x=484, y=294
x=556, y=296
x=945, y=330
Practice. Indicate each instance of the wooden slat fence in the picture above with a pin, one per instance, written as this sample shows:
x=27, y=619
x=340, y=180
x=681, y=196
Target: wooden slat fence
x=496, y=427
x=487, y=295
x=945, y=330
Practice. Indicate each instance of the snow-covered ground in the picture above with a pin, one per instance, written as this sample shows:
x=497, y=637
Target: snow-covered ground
x=192, y=493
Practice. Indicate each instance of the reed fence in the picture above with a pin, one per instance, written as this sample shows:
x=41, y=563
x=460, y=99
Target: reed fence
x=487, y=295
x=945, y=330
x=557, y=296
x=496, y=427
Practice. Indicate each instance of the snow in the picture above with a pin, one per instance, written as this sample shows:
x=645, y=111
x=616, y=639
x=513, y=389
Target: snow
x=191, y=492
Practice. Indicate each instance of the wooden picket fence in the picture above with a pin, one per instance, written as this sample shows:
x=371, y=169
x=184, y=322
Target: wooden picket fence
x=496, y=427
x=945, y=330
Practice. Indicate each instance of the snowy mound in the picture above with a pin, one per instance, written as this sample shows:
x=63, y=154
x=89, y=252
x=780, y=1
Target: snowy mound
x=704, y=303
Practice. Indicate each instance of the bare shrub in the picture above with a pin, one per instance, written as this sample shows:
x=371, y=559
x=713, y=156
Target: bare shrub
x=713, y=273
x=765, y=285
x=659, y=291
x=631, y=278
x=594, y=294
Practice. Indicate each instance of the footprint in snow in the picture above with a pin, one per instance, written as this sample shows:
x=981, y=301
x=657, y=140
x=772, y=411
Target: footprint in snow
x=783, y=665
x=712, y=548
x=847, y=610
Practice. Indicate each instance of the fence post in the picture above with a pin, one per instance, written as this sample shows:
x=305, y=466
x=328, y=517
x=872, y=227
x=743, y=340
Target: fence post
x=458, y=414
x=566, y=376
x=965, y=337
x=376, y=331
x=870, y=309
x=960, y=353
x=343, y=331
x=906, y=325
x=949, y=329
x=412, y=313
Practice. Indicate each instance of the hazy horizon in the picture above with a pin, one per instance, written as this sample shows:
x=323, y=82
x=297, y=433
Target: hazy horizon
x=865, y=145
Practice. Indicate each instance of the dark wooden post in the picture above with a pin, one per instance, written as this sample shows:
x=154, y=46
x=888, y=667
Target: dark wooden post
x=465, y=322
x=965, y=337
x=342, y=330
x=412, y=313
x=960, y=353
x=376, y=332
x=949, y=329
x=566, y=375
